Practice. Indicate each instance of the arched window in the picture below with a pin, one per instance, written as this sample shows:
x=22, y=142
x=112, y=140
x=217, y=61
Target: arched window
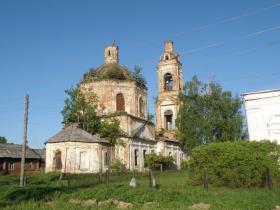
x=168, y=120
x=166, y=57
x=141, y=107
x=168, y=81
x=120, y=103
x=109, y=53
x=57, y=161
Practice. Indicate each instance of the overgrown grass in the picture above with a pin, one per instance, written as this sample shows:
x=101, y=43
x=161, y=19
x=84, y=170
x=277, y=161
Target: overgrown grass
x=43, y=191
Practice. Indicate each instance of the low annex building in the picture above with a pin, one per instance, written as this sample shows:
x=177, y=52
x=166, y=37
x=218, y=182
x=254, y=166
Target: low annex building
x=10, y=159
x=124, y=97
x=263, y=114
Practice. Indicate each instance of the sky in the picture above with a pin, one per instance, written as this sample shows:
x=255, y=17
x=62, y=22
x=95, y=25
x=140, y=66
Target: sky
x=47, y=46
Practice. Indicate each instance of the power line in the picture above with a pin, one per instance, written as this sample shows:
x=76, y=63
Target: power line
x=244, y=51
x=226, y=20
x=266, y=30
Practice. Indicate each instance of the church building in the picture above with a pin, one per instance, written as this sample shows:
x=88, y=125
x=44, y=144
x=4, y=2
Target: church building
x=124, y=97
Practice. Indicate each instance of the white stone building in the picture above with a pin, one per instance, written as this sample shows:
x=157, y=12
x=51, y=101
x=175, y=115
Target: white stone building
x=263, y=114
x=121, y=96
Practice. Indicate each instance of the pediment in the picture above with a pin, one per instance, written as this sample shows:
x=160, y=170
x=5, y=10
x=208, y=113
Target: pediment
x=143, y=132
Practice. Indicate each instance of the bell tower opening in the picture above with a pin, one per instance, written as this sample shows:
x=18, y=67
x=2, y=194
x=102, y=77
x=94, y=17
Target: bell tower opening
x=168, y=82
x=168, y=120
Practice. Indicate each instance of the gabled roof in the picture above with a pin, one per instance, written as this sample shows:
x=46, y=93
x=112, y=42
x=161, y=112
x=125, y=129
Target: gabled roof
x=143, y=132
x=14, y=151
x=75, y=134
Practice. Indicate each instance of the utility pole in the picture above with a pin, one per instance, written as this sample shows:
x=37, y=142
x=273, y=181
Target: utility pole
x=23, y=148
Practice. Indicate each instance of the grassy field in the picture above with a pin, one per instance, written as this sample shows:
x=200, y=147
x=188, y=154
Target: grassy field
x=43, y=191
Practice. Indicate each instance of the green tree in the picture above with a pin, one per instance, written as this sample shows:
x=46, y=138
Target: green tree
x=151, y=118
x=3, y=140
x=110, y=129
x=208, y=114
x=137, y=75
x=82, y=110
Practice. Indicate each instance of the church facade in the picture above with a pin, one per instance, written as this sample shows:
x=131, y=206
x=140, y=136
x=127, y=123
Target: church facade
x=123, y=97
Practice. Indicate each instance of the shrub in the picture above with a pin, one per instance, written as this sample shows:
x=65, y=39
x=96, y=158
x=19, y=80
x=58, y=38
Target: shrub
x=235, y=164
x=184, y=164
x=117, y=165
x=152, y=160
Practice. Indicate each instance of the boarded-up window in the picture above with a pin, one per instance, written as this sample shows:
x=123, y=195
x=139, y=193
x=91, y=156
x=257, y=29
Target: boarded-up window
x=57, y=161
x=120, y=103
x=106, y=158
x=84, y=160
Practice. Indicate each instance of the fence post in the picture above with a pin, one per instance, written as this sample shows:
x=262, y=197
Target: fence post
x=100, y=177
x=68, y=182
x=269, y=178
x=107, y=177
x=205, y=182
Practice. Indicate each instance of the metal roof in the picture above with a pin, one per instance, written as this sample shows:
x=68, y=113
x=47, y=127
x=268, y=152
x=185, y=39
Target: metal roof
x=75, y=134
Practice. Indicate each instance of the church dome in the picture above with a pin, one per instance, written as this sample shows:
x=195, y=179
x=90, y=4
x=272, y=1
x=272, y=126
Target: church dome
x=108, y=71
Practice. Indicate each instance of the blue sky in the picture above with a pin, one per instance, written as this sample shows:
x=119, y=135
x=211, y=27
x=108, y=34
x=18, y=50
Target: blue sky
x=47, y=46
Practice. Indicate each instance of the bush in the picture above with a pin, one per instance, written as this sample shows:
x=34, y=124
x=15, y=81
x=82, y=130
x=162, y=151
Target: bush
x=152, y=160
x=118, y=166
x=235, y=164
x=184, y=164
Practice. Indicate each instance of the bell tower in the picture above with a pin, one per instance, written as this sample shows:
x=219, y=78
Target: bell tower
x=170, y=83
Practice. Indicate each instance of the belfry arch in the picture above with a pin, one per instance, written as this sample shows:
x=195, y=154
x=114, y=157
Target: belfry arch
x=168, y=82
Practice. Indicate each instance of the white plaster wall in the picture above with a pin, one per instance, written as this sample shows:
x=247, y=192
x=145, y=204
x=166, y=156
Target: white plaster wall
x=141, y=146
x=263, y=115
x=70, y=156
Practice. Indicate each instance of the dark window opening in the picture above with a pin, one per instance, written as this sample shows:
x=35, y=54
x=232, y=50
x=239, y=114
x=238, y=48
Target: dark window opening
x=136, y=157
x=168, y=81
x=141, y=107
x=109, y=53
x=166, y=57
x=120, y=103
x=168, y=118
x=57, y=161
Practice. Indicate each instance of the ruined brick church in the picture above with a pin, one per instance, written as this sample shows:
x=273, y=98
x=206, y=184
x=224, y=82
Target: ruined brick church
x=123, y=97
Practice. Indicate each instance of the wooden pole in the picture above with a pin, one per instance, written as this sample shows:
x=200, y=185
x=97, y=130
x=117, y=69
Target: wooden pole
x=23, y=150
x=269, y=179
x=205, y=179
